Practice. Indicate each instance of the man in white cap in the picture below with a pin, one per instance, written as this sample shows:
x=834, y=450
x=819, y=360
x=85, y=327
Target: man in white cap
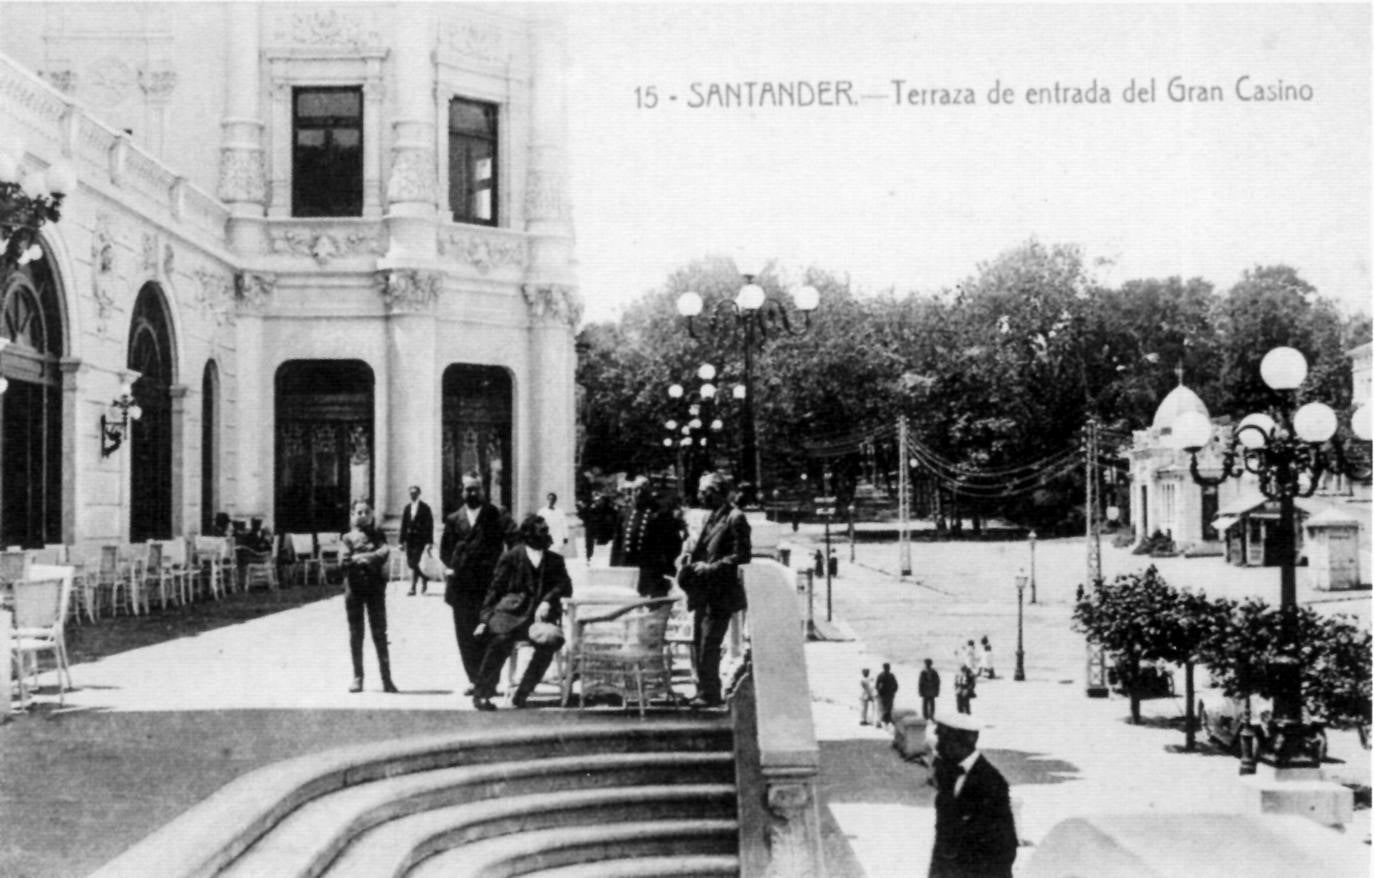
x=975, y=833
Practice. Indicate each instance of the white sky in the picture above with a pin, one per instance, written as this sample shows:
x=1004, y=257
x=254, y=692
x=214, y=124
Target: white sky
x=916, y=197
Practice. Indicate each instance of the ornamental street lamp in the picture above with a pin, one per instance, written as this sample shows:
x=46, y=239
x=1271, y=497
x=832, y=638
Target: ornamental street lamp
x=1031, y=537
x=693, y=433
x=1020, y=674
x=1289, y=451
x=27, y=201
x=752, y=315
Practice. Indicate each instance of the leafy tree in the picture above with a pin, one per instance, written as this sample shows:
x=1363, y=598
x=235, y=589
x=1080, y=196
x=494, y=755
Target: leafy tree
x=1332, y=652
x=1127, y=617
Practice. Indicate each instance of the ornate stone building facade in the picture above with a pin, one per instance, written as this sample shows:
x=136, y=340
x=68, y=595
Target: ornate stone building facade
x=330, y=247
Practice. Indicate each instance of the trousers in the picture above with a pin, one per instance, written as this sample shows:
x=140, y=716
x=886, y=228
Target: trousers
x=709, y=635
x=368, y=599
x=498, y=649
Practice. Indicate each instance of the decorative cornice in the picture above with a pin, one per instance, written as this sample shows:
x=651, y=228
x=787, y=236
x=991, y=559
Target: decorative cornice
x=558, y=302
x=327, y=28
x=486, y=44
x=325, y=246
x=482, y=250
x=157, y=84
x=407, y=290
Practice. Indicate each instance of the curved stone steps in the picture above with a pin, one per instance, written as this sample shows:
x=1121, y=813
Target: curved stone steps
x=313, y=835
x=698, y=866
x=210, y=836
x=392, y=848
x=528, y=852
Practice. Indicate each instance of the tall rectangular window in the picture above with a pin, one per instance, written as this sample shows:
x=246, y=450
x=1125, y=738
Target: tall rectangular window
x=472, y=161
x=327, y=152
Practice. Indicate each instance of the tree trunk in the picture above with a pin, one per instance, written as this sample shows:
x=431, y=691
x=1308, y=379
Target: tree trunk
x=1189, y=719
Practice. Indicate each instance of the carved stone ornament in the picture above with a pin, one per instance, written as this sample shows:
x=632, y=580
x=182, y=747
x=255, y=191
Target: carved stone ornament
x=544, y=195
x=169, y=261
x=253, y=291
x=789, y=841
x=62, y=80
x=149, y=252
x=326, y=28
x=242, y=176
x=324, y=246
x=406, y=290
x=215, y=295
x=479, y=42
x=483, y=252
x=412, y=176
x=553, y=302
x=102, y=271
x=157, y=84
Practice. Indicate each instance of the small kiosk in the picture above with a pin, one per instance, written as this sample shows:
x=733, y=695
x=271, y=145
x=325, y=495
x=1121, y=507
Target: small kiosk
x=1333, y=550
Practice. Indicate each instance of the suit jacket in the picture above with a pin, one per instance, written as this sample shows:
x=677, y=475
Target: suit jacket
x=518, y=587
x=886, y=684
x=975, y=834
x=928, y=684
x=471, y=551
x=723, y=546
x=419, y=532
x=647, y=538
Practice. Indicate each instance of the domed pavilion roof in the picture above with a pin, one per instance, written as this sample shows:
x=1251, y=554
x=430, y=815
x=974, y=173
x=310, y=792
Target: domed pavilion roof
x=1179, y=400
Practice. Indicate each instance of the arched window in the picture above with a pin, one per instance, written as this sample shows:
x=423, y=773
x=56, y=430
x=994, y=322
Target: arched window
x=31, y=409
x=151, y=355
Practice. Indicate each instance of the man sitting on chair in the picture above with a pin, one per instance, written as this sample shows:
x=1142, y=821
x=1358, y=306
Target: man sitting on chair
x=529, y=585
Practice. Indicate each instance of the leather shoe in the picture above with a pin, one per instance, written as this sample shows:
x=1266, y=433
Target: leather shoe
x=519, y=699
x=482, y=703
x=388, y=686
x=410, y=593
x=357, y=685
x=701, y=702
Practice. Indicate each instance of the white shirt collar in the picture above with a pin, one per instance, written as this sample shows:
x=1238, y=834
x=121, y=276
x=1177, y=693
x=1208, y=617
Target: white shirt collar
x=536, y=556
x=472, y=514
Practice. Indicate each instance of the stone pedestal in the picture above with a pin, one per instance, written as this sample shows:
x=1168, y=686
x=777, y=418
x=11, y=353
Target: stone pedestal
x=1301, y=791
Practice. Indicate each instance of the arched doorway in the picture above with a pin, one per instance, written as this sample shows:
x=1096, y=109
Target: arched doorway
x=150, y=457
x=209, y=447
x=31, y=409
x=477, y=432
x=324, y=443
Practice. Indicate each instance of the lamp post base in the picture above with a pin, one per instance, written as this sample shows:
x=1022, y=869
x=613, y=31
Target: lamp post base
x=1297, y=791
x=1020, y=674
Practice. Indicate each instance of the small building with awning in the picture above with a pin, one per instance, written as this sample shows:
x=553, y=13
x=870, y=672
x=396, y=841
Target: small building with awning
x=1330, y=531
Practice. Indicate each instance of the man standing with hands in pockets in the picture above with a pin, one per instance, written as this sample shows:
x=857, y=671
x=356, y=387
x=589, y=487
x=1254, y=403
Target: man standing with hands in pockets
x=711, y=579
x=474, y=538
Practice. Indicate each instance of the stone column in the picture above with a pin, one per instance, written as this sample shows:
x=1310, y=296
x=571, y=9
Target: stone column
x=374, y=96
x=76, y=459
x=242, y=164
x=179, y=458
x=411, y=417
x=255, y=398
x=412, y=183
x=548, y=214
x=548, y=393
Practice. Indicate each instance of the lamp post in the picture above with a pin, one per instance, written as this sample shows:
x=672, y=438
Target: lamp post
x=27, y=201
x=1031, y=537
x=701, y=420
x=1289, y=450
x=750, y=316
x=1020, y=674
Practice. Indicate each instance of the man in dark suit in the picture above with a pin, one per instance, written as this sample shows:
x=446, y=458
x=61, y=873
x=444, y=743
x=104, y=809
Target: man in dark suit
x=975, y=833
x=711, y=579
x=474, y=538
x=417, y=532
x=647, y=537
x=928, y=685
x=529, y=585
